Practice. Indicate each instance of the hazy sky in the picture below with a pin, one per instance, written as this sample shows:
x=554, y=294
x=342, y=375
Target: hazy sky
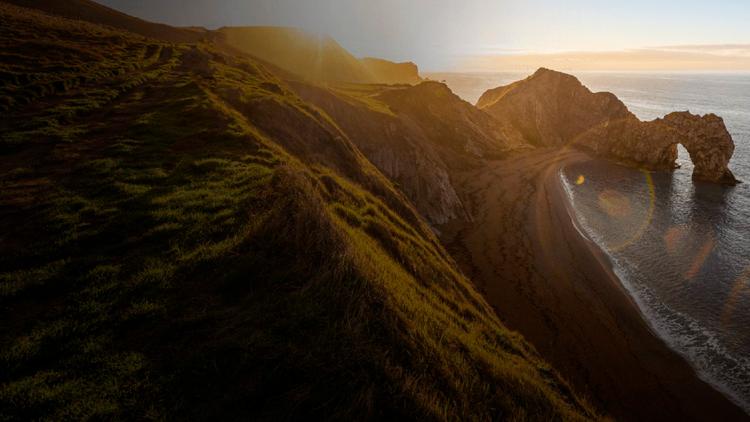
x=453, y=34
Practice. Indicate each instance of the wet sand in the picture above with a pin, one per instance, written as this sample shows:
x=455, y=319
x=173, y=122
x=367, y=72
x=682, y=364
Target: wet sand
x=556, y=287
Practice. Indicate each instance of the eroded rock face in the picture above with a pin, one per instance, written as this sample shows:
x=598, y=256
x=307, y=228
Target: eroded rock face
x=709, y=143
x=417, y=136
x=553, y=109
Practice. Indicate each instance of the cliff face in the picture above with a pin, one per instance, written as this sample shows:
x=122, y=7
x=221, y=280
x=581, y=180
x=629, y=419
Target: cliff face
x=709, y=143
x=654, y=144
x=552, y=109
x=387, y=72
x=416, y=136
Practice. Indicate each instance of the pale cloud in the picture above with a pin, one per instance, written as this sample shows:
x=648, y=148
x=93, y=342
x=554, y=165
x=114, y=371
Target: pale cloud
x=739, y=50
x=723, y=57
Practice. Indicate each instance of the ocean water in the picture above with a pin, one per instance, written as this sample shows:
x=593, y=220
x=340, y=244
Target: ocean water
x=682, y=249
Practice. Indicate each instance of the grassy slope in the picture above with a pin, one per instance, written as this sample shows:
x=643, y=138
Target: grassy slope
x=184, y=237
x=313, y=57
x=392, y=73
x=91, y=11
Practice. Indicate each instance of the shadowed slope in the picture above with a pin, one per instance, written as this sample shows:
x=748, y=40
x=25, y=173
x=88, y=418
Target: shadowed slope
x=90, y=11
x=189, y=239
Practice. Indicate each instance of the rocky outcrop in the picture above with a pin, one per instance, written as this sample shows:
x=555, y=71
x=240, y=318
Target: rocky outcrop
x=553, y=109
x=709, y=143
x=654, y=144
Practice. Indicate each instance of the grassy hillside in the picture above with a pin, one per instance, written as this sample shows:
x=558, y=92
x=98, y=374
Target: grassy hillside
x=313, y=57
x=91, y=11
x=387, y=72
x=184, y=237
x=316, y=58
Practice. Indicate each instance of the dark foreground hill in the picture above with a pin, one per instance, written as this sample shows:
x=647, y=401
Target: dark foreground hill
x=185, y=237
x=90, y=11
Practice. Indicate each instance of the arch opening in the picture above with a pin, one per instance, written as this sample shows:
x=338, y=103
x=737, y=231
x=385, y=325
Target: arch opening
x=683, y=159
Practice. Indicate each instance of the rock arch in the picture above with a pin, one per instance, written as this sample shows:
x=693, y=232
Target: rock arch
x=554, y=109
x=706, y=140
x=653, y=144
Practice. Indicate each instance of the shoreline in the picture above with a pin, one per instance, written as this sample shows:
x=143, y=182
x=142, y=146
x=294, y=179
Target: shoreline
x=609, y=266
x=560, y=290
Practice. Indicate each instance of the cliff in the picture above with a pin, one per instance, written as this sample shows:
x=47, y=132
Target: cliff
x=551, y=108
x=315, y=58
x=417, y=136
x=654, y=144
x=387, y=72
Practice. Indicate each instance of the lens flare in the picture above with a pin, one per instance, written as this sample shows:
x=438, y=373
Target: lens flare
x=674, y=239
x=649, y=215
x=615, y=204
x=580, y=180
x=740, y=286
x=701, y=257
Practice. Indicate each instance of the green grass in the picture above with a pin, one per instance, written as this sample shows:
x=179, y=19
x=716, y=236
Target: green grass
x=202, y=244
x=360, y=94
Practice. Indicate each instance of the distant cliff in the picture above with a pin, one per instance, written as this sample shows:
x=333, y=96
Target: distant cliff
x=387, y=72
x=550, y=108
x=315, y=58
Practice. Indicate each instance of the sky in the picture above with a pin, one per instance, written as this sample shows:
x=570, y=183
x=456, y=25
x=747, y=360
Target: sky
x=494, y=35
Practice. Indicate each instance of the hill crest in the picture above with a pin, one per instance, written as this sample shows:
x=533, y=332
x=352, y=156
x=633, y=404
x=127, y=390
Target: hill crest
x=314, y=57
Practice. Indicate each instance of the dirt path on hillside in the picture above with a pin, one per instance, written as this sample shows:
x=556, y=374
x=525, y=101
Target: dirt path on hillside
x=557, y=288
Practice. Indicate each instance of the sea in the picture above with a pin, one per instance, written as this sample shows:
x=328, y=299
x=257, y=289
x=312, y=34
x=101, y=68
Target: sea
x=681, y=249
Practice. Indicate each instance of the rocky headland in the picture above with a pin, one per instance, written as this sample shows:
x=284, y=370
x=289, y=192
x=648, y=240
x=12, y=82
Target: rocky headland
x=551, y=108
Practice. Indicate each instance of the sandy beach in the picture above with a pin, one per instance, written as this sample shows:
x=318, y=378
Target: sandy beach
x=557, y=288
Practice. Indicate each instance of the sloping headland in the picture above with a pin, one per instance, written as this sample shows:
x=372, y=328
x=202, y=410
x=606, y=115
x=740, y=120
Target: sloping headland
x=554, y=109
x=191, y=231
